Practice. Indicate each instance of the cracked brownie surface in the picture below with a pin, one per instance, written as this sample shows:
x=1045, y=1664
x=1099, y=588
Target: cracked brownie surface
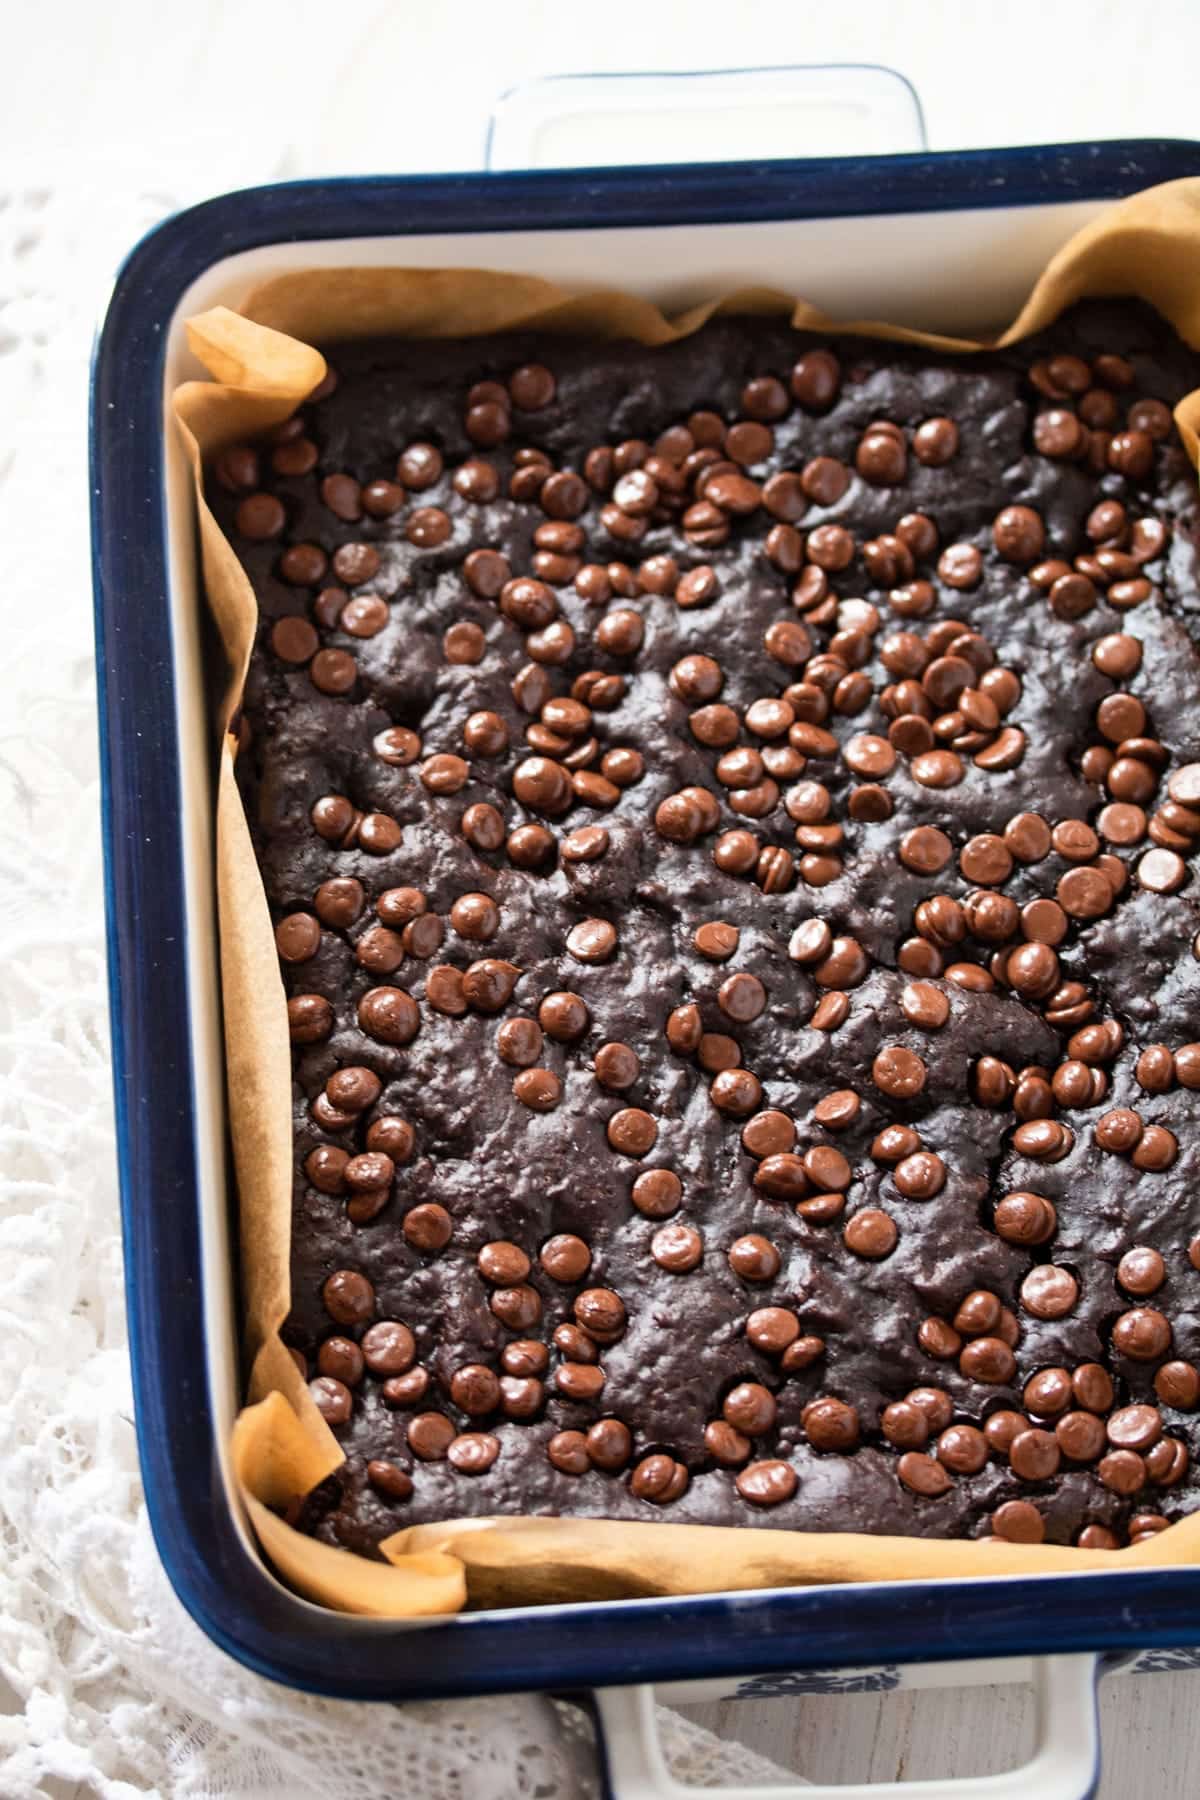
x=729, y=815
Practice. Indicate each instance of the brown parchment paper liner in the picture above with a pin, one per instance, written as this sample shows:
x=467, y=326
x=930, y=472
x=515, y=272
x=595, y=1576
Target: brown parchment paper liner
x=263, y=365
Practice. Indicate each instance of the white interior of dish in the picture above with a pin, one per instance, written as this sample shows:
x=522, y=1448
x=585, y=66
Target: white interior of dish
x=964, y=272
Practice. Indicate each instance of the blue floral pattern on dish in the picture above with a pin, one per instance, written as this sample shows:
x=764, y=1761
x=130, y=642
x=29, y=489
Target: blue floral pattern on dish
x=819, y=1681
x=1156, y=1662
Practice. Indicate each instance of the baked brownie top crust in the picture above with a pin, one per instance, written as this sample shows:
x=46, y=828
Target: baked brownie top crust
x=729, y=815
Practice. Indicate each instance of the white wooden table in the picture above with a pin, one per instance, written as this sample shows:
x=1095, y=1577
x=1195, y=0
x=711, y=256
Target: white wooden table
x=360, y=88
x=1150, y=1730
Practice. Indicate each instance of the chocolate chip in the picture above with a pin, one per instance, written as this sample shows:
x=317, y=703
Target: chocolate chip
x=922, y=1475
x=830, y=1424
x=1143, y=1334
x=1034, y=1455
x=1048, y=1292
x=962, y=1449
x=871, y=1233
x=591, y=941
x=736, y=1092
x=898, y=1072
x=1177, y=1384
x=632, y=1131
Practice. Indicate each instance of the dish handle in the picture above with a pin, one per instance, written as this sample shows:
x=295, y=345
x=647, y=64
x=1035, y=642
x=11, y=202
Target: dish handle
x=1065, y=1764
x=710, y=115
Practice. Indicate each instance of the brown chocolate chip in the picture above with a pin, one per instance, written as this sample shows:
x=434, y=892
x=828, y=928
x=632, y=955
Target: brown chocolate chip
x=1141, y=1271
x=591, y=941
x=519, y=1307
x=962, y=1449
x=938, y=1339
x=532, y=387
x=1123, y=1471
x=1134, y=1427
x=772, y=1329
x=935, y=1403
x=815, y=380
x=364, y=616
x=742, y=998
x=632, y=1131
x=937, y=769
x=750, y=1408
x=333, y=672
x=898, y=1072
x=716, y=940
x=260, y=517
x=659, y=1478
x=871, y=1233
x=1080, y=1436
x=657, y=1193
x=471, y=1452
x=380, y=499
x=348, y=1297
x=1177, y=1384
x=881, y=456
x=725, y=1444
x=1018, y=1522
x=475, y=1389
x=935, y=442
x=1143, y=1334
x=1161, y=871
x=781, y=1176
x=389, y=1015
x=904, y=1425
x=407, y=1390
x=1059, y=433
x=1166, y=1463
x=525, y=1356
x=310, y=1017
x=1024, y=1218
x=831, y=1424
x=677, y=1248
x=844, y=966
x=237, y=469
x=521, y=1397
x=736, y=1092
x=1049, y=1292
x=960, y=566
x=538, y=1089
x=1156, y=1149
x=1034, y=1455
x=568, y=1452
x=341, y=1358
x=389, y=1479
x=754, y=1258
x=920, y=1175
x=388, y=1348
x=767, y=1483
x=988, y=1359
x=922, y=1475
x=1155, y=1069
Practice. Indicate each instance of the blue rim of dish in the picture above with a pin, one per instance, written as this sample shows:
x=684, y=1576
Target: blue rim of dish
x=224, y=1588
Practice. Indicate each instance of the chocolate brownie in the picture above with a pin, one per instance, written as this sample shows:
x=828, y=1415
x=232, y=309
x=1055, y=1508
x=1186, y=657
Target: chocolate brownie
x=728, y=812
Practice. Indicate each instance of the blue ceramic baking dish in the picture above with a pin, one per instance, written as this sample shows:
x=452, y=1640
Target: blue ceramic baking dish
x=986, y=221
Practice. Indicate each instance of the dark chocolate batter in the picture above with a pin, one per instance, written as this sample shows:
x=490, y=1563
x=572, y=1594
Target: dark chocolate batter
x=729, y=812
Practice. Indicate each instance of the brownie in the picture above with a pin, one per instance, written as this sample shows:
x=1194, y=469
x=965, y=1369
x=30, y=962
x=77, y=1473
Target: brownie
x=728, y=812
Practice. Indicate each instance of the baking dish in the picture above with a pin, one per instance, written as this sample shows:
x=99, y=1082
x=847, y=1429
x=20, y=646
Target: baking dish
x=854, y=235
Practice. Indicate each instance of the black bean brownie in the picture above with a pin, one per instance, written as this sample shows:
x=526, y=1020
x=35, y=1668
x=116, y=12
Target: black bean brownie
x=728, y=813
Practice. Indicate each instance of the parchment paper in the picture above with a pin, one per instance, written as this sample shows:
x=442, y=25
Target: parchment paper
x=263, y=365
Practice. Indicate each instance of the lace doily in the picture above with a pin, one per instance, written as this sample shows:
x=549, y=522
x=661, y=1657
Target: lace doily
x=113, y=1689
